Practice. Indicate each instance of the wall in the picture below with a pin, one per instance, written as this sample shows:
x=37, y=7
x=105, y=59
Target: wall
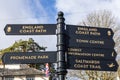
x=41, y=78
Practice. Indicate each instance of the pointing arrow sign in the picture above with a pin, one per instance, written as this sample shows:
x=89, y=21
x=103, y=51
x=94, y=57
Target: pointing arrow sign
x=77, y=42
x=30, y=29
x=91, y=53
x=89, y=32
x=89, y=64
x=29, y=57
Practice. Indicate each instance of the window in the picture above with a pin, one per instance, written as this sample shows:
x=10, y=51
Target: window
x=30, y=78
x=9, y=78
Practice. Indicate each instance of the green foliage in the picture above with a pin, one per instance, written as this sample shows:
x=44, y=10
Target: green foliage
x=21, y=46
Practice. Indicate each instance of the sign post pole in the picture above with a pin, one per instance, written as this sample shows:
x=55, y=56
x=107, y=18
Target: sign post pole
x=61, y=64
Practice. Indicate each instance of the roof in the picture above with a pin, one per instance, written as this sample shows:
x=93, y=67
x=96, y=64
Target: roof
x=20, y=72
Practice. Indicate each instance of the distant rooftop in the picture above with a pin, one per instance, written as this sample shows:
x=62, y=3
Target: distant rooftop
x=20, y=72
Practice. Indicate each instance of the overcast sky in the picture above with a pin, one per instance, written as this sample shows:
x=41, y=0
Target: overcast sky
x=45, y=11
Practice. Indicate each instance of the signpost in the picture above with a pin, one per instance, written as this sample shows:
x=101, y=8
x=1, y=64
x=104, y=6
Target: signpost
x=30, y=29
x=87, y=48
x=90, y=42
x=77, y=63
x=92, y=53
x=29, y=57
x=89, y=32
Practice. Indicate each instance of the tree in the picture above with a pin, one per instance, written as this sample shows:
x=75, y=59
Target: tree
x=24, y=46
x=102, y=18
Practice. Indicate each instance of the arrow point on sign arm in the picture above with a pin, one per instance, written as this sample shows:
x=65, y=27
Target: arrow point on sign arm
x=112, y=33
x=114, y=54
x=117, y=65
x=7, y=29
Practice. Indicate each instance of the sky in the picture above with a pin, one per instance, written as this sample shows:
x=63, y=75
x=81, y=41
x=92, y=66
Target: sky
x=45, y=12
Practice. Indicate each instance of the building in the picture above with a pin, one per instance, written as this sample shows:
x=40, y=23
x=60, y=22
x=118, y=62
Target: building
x=21, y=73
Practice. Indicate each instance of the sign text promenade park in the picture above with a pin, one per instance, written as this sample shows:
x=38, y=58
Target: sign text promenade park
x=30, y=57
x=87, y=48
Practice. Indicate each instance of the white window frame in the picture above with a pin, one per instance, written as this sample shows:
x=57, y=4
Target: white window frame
x=9, y=78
